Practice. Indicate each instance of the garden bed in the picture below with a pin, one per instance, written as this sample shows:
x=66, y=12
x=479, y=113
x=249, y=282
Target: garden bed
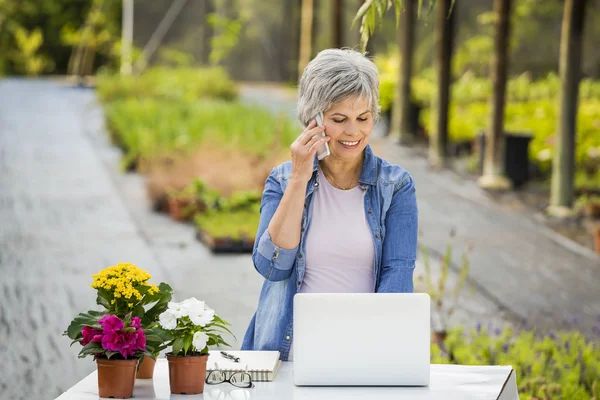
x=225, y=244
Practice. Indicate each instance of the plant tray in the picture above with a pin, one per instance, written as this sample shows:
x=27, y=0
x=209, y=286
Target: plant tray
x=225, y=245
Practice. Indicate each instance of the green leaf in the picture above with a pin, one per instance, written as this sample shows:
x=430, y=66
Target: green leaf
x=162, y=298
x=138, y=311
x=89, y=318
x=178, y=346
x=91, y=348
x=362, y=11
x=187, y=343
x=109, y=354
x=103, y=298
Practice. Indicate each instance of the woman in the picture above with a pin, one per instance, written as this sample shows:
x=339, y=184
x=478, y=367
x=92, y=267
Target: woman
x=347, y=223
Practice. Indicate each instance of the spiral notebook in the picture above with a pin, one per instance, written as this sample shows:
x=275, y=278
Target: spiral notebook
x=262, y=365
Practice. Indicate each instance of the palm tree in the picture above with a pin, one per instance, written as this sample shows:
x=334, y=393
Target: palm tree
x=401, y=124
x=494, y=168
x=337, y=14
x=306, y=33
x=563, y=166
x=444, y=43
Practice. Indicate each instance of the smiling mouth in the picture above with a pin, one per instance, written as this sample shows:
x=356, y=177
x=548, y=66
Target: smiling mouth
x=349, y=144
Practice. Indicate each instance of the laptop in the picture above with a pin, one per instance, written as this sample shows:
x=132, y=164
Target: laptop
x=361, y=339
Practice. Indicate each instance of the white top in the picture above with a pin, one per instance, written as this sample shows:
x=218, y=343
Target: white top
x=448, y=382
x=340, y=253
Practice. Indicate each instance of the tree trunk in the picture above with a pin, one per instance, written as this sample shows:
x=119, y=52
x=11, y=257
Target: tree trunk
x=336, y=23
x=401, y=112
x=306, y=28
x=494, y=168
x=563, y=167
x=444, y=42
x=207, y=31
x=286, y=34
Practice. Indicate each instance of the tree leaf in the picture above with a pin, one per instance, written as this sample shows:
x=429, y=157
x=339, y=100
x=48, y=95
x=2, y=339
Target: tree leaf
x=109, y=354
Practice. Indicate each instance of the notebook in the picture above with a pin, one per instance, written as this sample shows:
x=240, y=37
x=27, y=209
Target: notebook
x=262, y=365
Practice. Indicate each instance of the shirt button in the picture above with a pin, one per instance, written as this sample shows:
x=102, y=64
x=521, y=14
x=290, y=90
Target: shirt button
x=377, y=236
x=287, y=337
x=370, y=211
x=302, y=230
x=299, y=255
x=316, y=184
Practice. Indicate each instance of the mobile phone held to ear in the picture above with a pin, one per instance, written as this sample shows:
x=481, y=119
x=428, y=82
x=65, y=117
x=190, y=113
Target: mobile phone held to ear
x=322, y=151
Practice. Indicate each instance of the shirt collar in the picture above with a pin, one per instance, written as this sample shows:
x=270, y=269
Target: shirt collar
x=368, y=175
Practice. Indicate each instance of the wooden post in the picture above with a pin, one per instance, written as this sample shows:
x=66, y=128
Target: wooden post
x=444, y=42
x=563, y=166
x=493, y=168
x=405, y=37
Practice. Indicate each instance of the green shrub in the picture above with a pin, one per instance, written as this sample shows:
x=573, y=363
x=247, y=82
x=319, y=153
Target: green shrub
x=173, y=84
x=538, y=118
x=149, y=128
x=237, y=224
x=554, y=366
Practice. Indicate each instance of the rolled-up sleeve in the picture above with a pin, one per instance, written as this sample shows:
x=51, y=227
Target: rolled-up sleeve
x=271, y=261
x=400, y=243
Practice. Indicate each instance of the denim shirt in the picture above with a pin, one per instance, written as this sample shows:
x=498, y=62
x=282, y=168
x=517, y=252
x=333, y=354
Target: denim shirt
x=391, y=211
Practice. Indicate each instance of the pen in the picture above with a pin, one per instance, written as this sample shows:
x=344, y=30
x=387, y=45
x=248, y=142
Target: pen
x=230, y=357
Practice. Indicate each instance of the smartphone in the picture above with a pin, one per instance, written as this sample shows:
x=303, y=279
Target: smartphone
x=322, y=151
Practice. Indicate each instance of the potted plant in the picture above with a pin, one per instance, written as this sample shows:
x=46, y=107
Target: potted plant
x=116, y=344
x=122, y=290
x=192, y=327
x=196, y=197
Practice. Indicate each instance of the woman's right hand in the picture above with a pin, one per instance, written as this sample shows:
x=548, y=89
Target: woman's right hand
x=304, y=149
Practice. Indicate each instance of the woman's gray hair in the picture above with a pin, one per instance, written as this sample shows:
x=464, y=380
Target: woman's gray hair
x=333, y=76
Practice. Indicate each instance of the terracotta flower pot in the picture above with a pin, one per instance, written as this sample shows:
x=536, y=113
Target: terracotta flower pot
x=146, y=370
x=176, y=207
x=439, y=336
x=116, y=378
x=187, y=374
x=597, y=239
x=592, y=209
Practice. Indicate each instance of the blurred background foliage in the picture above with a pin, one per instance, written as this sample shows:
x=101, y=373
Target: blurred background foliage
x=258, y=39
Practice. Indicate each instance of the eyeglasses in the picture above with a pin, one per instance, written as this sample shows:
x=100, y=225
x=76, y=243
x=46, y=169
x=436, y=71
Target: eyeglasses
x=237, y=379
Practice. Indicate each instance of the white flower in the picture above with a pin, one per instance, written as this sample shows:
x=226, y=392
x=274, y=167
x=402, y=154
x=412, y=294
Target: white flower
x=178, y=309
x=168, y=319
x=202, y=317
x=192, y=305
x=199, y=341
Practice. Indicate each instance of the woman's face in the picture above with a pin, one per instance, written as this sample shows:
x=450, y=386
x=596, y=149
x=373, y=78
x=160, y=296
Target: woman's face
x=349, y=124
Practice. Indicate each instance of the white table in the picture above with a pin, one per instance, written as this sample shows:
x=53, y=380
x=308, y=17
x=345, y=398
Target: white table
x=448, y=382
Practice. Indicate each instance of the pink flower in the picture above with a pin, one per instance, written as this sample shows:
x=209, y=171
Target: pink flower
x=136, y=323
x=90, y=335
x=126, y=343
x=111, y=323
x=141, y=340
